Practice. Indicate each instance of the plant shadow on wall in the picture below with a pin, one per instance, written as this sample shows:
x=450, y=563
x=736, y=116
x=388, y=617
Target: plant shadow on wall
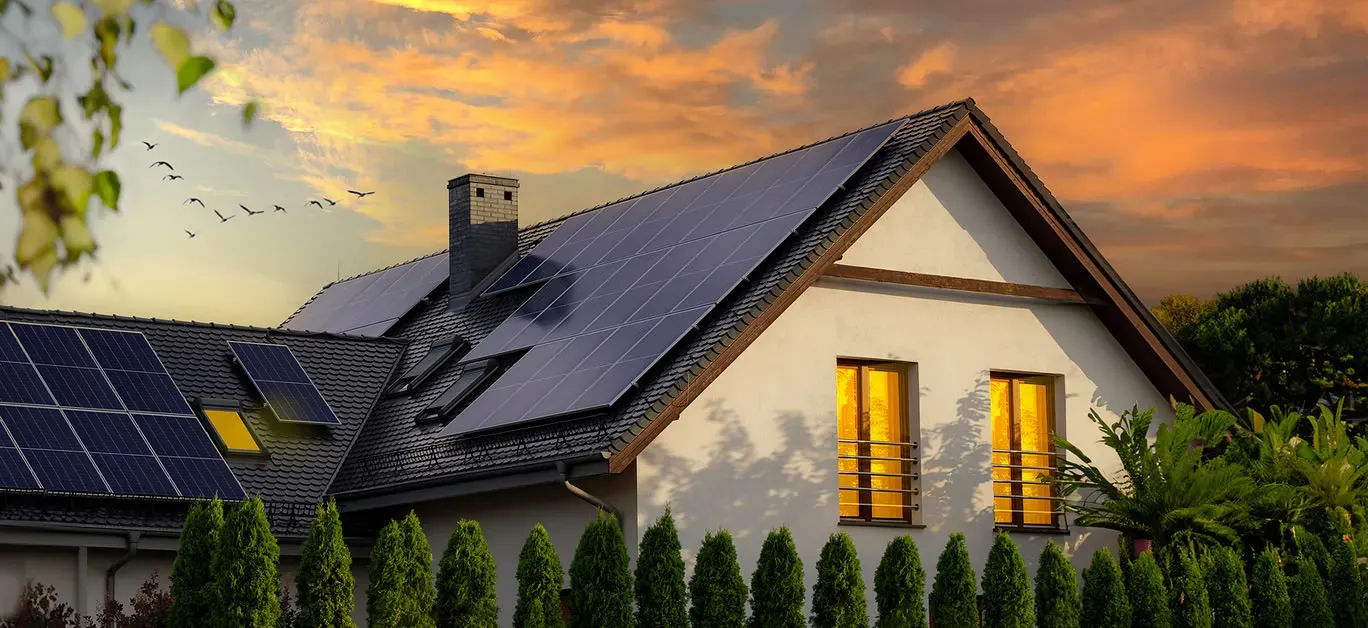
x=956, y=459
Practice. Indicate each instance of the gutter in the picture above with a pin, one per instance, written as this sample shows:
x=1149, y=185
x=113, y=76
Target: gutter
x=485, y=480
x=133, y=538
x=564, y=470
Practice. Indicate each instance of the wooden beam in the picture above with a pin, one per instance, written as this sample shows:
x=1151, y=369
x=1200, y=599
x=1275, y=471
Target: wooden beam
x=960, y=284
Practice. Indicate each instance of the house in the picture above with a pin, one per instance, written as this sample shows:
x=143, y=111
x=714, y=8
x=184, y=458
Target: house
x=874, y=334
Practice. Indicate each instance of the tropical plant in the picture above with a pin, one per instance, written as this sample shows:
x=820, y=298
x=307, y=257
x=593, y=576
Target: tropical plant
x=717, y=592
x=662, y=599
x=1056, y=590
x=900, y=586
x=325, y=582
x=1147, y=594
x=777, y=590
x=1269, y=601
x=954, y=592
x=1007, y=601
x=838, y=598
x=192, y=572
x=1104, y=594
x=601, y=577
x=466, y=581
x=539, y=582
x=247, y=570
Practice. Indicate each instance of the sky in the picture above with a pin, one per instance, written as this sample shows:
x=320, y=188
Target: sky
x=1199, y=144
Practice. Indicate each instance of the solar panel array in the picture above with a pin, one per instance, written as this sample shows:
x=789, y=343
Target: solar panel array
x=282, y=383
x=623, y=284
x=370, y=304
x=86, y=410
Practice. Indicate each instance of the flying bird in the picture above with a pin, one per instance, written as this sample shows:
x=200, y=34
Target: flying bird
x=330, y=201
x=162, y=163
x=249, y=212
x=223, y=218
x=172, y=177
x=150, y=145
x=193, y=200
x=320, y=205
x=361, y=194
x=190, y=233
x=279, y=208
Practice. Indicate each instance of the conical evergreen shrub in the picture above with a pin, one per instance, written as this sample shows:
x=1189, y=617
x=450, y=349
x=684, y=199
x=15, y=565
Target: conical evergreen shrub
x=324, y=581
x=777, y=590
x=540, y=580
x=1056, y=590
x=662, y=600
x=1227, y=592
x=1310, y=604
x=838, y=598
x=1105, y=604
x=1007, y=601
x=900, y=586
x=192, y=572
x=418, y=583
x=1268, y=599
x=1188, y=594
x=717, y=592
x=1310, y=546
x=1345, y=587
x=601, y=578
x=395, y=597
x=466, y=579
x=1147, y=594
x=247, y=570
x=954, y=592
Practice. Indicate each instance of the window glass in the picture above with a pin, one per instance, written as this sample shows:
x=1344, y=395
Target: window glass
x=874, y=450
x=232, y=430
x=1022, y=423
x=848, y=429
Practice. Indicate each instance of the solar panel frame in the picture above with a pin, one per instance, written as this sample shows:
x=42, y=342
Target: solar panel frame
x=266, y=387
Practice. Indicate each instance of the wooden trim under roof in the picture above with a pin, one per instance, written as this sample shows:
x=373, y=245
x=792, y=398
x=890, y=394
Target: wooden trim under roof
x=958, y=284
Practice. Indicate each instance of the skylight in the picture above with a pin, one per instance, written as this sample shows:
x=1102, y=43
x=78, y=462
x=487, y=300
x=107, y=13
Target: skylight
x=471, y=377
x=437, y=354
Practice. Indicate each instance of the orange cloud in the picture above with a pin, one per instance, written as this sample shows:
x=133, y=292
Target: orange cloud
x=937, y=60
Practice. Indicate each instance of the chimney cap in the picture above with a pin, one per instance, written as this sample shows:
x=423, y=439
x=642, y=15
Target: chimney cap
x=467, y=179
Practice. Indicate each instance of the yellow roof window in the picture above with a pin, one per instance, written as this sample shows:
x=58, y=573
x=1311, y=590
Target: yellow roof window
x=232, y=431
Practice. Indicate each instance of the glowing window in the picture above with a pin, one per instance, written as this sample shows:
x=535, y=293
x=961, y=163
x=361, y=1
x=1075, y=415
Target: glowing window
x=1024, y=457
x=232, y=431
x=875, y=447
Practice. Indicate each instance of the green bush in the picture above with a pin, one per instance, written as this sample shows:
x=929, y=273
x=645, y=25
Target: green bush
x=540, y=580
x=1188, y=593
x=466, y=578
x=838, y=598
x=324, y=581
x=418, y=584
x=1269, y=602
x=1056, y=590
x=1227, y=591
x=717, y=592
x=149, y=608
x=192, y=572
x=1310, y=546
x=1310, y=604
x=662, y=600
x=1007, y=601
x=777, y=590
x=247, y=570
x=1345, y=588
x=954, y=592
x=900, y=586
x=1104, y=596
x=1147, y=594
x=601, y=577
x=395, y=597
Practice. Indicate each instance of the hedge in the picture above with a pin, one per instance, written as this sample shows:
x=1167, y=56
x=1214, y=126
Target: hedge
x=717, y=593
x=466, y=581
x=601, y=578
x=247, y=570
x=1104, y=596
x=1007, y=601
x=954, y=593
x=900, y=586
x=1271, y=607
x=325, y=583
x=1147, y=594
x=662, y=600
x=777, y=590
x=1310, y=605
x=539, y=582
x=838, y=598
x=192, y=571
x=1227, y=591
x=1056, y=590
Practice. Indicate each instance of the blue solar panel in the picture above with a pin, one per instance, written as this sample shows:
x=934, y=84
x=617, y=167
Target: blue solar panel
x=370, y=304
x=283, y=384
x=134, y=475
x=56, y=455
x=65, y=471
x=108, y=432
x=10, y=351
x=148, y=392
x=203, y=477
x=122, y=350
x=623, y=284
x=19, y=383
x=14, y=472
x=76, y=387
x=48, y=344
x=181, y=436
x=39, y=428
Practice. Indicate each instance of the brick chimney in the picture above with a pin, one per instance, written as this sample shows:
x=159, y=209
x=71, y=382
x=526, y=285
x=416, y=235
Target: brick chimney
x=483, y=223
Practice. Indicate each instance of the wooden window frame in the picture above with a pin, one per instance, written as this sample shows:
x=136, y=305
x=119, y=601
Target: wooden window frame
x=1018, y=523
x=910, y=466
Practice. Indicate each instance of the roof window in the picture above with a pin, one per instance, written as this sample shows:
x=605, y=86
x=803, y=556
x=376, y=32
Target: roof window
x=438, y=352
x=472, y=376
x=232, y=431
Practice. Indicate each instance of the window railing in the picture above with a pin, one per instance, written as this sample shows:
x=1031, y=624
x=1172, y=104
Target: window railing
x=1033, y=498
x=883, y=478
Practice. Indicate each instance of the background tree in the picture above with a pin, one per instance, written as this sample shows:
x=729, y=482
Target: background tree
x=601, y=577
x=417, y=569
x=1104, y=595
x=325, y=582
x=1177, y=312
x=838, y=598
x=247, y=570
x=1268, y=592
x=192, y=572
x=1227, y=591
x=900, y=586
x=954, y=592
x=466, y=581
x=662, y=600
x=62, y=134
x=539, y=582
x=1310, y=605
x=1056, y=590
x=717, y=592
x=1007, y=601
x=1147, y=594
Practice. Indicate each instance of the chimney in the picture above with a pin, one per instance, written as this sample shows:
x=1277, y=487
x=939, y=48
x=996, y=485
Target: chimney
x=483, y=223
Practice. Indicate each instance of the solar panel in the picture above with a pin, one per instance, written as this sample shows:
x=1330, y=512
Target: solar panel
x=57, y=456
x=623, y=284
x=283, y=384
x=370, y=304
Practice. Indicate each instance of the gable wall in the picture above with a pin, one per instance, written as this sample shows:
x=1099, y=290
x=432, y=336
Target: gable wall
x=758, y=449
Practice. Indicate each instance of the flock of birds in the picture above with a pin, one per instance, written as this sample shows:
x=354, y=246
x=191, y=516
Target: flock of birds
x=172, y=176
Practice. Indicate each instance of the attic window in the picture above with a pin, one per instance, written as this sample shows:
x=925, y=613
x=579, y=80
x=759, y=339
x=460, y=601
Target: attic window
x=508, y=196
x=437, y=354
x=232, y=431
x=479, y=192
x=472, y=376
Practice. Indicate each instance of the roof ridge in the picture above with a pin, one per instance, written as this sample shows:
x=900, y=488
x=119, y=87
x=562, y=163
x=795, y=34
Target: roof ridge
x=204, y=324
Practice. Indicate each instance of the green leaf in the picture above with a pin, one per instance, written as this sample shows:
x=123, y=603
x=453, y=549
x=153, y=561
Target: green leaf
x=71, y=17
x=107, y=188
x=93, y=100
x=75, y=183
x=40, y=115
x=43, y=68
x=36, y=249
x=98, y=143
x=107, y=30
x=223, y=14
x=76, y=238
x=192, y=71
x=47, y=155
x=172, y=43
x=114, y=7
x=249, y=112
x=115, y=124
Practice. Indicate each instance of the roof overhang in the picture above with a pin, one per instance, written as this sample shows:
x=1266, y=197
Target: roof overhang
x=541, y=472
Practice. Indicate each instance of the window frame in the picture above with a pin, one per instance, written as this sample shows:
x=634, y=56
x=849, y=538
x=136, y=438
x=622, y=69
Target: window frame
x=409, y=381
x=1060, y=524
x=910, y=465
x=220, y=405
x=436, y=411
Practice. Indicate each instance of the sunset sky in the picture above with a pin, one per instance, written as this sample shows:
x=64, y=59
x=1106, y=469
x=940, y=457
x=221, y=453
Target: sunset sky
x=1199, y=144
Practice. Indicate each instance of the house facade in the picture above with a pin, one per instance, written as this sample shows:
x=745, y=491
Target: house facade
x=881, y=344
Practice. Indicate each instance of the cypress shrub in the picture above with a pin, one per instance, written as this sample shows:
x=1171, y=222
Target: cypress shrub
x=466, y=578
x=192, y=572
x=601, y=577
x=1147, y=594
x=900, y=586
x=1345, y=588
x=1310, y=546
x=539, y=583
x=387, y=604
x=1104, y=596
x=1269, y=602
x=1188, y=593
x=717, y=593
x=325, y=580
x=1007, y=599
x=1056, y=590
x=954, y=592
x=416, y=566
x=777, y=590
x=1310, y=605
x=838, y=598
x=662, y=601
x=247, y=570
x=1227, y=592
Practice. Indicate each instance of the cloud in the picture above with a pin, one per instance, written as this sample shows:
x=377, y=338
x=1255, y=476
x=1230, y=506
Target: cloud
x=935, y=60
x=208, y=140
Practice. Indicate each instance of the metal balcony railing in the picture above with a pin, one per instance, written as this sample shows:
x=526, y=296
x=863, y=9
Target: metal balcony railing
x=1016, y=486
x=880, y=468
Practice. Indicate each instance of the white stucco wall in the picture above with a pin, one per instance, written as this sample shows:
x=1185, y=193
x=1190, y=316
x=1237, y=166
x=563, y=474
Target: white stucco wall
x=758, y=449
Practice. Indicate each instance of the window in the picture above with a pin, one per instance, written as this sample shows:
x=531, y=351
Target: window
x=508, y=196
x=1023, y=455
x=232, y=431
x=479, y=192
x=437, y=354
x=472, y=376
x=875, y=444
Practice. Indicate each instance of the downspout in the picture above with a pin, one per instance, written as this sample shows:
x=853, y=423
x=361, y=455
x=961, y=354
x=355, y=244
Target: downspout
x=113, y=570
x=564, y=470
